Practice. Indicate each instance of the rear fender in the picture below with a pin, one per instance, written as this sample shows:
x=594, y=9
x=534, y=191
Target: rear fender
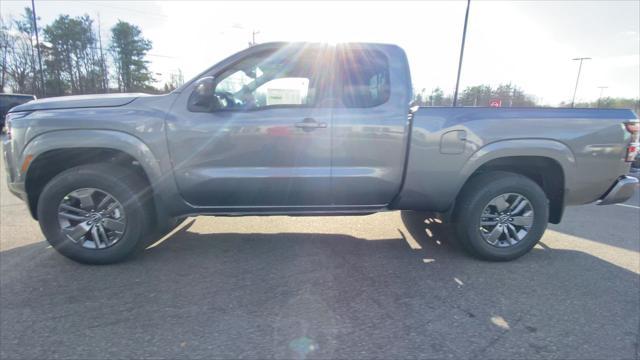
x=551, y=149
x=544, y=148
x=436, y=188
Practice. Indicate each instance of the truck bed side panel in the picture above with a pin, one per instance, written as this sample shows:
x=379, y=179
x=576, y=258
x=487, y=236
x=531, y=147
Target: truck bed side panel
x=449, y=144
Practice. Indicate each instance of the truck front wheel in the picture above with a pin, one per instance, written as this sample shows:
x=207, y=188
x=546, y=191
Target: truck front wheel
x=500, y=216
x=94, y=214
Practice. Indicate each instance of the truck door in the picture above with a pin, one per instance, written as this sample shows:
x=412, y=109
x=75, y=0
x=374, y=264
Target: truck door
x=370, y=125
x=263, y=141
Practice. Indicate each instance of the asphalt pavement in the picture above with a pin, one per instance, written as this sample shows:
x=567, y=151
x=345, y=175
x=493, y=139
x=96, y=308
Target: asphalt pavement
x=380, y=286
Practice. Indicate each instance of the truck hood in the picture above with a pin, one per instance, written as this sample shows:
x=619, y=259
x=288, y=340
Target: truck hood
x=78, y=101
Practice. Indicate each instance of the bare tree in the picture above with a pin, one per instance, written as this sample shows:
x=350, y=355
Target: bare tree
x=4, y=52
x=17, y=59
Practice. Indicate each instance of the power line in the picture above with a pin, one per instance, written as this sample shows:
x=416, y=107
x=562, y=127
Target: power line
x=132, y=10
x=164, y=56
x=154, y=55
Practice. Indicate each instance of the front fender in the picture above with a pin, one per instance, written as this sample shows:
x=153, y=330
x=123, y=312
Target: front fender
x=105, y=139
x=98, y=139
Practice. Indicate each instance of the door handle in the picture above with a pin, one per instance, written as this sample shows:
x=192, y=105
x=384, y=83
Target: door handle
x=309, y=124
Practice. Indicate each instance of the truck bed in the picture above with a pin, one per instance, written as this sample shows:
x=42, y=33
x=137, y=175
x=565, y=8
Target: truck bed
x=449, y=144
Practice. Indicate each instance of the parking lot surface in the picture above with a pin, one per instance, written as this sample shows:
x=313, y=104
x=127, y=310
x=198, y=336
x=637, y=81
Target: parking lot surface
x=378, y=286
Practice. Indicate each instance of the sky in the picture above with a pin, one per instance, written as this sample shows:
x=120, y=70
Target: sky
x=528, y=43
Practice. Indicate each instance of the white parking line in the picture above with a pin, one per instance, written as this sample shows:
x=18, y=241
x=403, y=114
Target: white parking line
x=631, y=206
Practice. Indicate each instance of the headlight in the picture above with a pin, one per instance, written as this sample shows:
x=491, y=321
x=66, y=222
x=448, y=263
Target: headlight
x=7, y=124
x=12, y=116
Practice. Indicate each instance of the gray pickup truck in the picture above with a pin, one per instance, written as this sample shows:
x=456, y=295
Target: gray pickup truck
x=306, y=129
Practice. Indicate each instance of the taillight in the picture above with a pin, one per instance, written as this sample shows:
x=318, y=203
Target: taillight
x=633, y=127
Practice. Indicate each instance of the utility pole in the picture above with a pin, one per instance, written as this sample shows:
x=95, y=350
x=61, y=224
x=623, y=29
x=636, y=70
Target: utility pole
x=601, y=92
x=33, y=62
x=4, y=69
x=573, y=100
x=105, y=80
x=253, y=37
x=35, y=27
x=512, y=96
x=464, y=36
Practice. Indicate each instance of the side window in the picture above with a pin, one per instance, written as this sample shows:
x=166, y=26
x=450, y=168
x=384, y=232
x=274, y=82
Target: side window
x=284, y=91
x=271, y=79
x=234, y=82
x=365, y=78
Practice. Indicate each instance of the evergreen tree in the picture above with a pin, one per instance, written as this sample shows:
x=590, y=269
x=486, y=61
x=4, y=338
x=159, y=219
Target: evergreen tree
x=128, y=49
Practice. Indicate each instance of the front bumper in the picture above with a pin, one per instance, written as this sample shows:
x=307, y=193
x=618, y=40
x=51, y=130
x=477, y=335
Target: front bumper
x=621, y=191
x=15, y=187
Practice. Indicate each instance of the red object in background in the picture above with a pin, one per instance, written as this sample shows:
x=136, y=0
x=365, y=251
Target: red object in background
x=495, y=103
x=278, y=131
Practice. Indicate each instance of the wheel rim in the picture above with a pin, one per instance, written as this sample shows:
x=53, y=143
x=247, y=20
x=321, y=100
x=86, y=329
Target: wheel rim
x=506, y=220
x=92, y=218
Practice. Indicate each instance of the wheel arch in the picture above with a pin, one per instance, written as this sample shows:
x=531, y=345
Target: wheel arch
x=51, y=153
x=549, y=163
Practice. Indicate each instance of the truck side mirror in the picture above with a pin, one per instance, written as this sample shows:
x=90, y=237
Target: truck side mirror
x=203, y=98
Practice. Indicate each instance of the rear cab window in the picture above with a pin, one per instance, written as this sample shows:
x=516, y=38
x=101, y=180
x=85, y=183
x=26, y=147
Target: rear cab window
x=364, y=78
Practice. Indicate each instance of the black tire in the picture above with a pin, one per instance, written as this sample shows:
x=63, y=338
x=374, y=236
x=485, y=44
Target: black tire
x=477, y=193
x=123, y=185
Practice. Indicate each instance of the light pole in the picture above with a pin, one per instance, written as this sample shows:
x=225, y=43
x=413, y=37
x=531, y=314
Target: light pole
x=573, y=100
x=464, y=37
x=253, y=37
x=601, y=92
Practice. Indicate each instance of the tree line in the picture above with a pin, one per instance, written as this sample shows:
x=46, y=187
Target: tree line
x=608, y=102
x=74, y=60
x=510, y=96
x=479, y=95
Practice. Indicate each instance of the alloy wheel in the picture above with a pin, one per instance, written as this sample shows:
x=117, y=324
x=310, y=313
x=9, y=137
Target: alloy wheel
x=506, y=220
x=92, y=218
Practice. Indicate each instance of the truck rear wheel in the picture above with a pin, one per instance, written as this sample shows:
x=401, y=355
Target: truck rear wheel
x=500, y=216
x=95, y=214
